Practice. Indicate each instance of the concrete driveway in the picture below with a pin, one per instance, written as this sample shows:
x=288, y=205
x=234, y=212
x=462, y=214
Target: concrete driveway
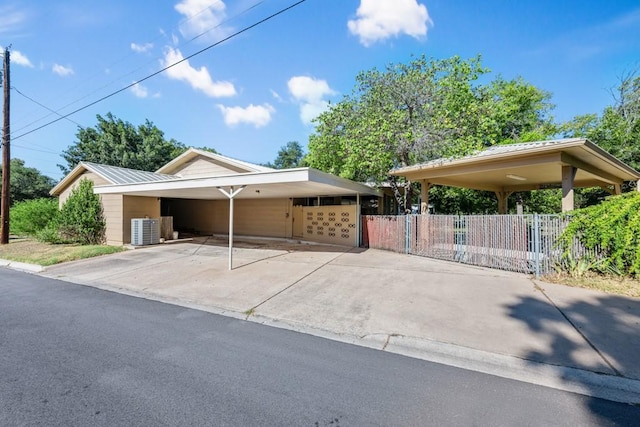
x=385, y=300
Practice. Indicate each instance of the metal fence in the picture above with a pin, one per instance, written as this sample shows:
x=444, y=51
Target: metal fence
x=522, y=243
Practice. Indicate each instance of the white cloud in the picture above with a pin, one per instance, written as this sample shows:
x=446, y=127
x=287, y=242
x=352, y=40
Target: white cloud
x=202, y=18
x=310, y=94
x=256, y=115
x=141, y=48
x=12, y=19
x=199, y=78
x=139, y=90
x=61, y=70
x=276, y=95
x=20, y=59
x=380, y=19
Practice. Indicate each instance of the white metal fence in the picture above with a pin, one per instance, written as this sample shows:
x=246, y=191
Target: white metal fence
x=522, y=243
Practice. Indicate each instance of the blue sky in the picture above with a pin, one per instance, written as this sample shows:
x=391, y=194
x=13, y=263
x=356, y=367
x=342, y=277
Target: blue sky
x=250, y=95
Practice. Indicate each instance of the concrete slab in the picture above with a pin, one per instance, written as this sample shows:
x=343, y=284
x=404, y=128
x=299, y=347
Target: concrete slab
x=398, y=295
x=610, y=322
x=382, y=299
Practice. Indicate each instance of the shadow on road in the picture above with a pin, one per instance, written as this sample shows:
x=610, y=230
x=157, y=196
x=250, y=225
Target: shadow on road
x=608, y=328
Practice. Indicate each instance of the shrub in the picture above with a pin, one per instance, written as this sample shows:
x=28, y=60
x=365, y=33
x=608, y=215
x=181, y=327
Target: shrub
x=81, y=218
x=29, y=217
x=612, y=228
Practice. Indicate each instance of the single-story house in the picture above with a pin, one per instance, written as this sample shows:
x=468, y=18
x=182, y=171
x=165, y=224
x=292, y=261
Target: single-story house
x=505, y=169
x=200, y=189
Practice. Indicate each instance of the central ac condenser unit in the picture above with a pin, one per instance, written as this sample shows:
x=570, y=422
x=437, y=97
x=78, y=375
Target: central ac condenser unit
x=145, y=231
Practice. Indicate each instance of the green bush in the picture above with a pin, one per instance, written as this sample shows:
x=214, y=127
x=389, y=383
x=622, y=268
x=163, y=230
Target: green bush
x=31, y=216
x=81, y=218
x=613, y=228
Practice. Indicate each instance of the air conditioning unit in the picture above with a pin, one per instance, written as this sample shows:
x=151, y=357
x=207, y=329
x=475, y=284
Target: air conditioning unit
x=145, y=231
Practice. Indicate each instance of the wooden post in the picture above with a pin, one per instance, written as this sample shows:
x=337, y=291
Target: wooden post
x=502, y=201
x=568, y=175
x=6, y=155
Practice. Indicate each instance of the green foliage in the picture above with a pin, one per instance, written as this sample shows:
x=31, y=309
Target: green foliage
x=27, y=183
x=118, y=143
x=290, y=155
x=81, y=218
x=419, y=111
x=613, y=228
x=29, y=217
x=617, y=129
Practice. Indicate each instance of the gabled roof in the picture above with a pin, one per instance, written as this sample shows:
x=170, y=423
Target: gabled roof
x=112, y=174
x=528, y=165
x=192, y=153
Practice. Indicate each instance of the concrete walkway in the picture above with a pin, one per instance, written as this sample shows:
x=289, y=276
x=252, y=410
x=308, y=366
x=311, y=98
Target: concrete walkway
x=487, y=320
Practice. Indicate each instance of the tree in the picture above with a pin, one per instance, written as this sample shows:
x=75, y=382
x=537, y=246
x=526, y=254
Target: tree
x=290, y=155
x=616, y=130
x=81, y=218
x=27, y=183
x=423, y=110
x=118, y=143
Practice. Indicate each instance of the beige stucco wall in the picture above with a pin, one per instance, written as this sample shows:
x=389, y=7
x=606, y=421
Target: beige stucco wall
x=97, y=180
x=202, y=166
x=112, y=210
x=196, y=215
x=255, y=217
x=137, y=207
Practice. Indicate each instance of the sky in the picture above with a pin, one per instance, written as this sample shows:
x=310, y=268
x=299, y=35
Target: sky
x=251, y=86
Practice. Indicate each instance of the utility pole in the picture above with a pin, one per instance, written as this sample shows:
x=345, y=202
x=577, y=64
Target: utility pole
x=6, y=155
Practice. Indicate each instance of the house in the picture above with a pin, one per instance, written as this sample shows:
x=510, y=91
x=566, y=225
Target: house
x=200, y=189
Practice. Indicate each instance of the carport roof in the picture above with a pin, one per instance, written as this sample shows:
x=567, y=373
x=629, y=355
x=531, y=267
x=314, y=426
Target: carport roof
x=525, y=166
x=285, y=183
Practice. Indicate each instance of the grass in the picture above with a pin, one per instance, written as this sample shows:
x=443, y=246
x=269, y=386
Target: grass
x=33, y=252
x=619, y=285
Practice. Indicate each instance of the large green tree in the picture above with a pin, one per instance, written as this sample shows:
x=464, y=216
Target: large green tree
x=27, y=183
x=118, y=143
x=616, y=130
x=419, y=111
x=290, y=155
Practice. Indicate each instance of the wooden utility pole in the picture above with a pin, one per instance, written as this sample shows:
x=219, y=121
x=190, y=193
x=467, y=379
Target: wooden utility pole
x=6, y=155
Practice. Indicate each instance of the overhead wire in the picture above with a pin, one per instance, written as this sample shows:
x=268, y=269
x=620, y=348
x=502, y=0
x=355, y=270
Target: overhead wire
x=143, y=65
x=237, y=33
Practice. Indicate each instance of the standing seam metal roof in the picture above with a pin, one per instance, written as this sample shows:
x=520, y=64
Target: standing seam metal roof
x=119, y=175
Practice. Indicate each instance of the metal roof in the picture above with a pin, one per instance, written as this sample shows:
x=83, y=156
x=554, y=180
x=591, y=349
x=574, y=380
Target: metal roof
x=118, y=175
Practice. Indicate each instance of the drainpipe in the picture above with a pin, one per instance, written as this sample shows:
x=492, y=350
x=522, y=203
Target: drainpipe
x=231, y=194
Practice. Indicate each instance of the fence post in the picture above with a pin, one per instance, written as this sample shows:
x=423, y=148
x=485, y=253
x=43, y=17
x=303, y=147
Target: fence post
x=407, y=234
x=536, y=244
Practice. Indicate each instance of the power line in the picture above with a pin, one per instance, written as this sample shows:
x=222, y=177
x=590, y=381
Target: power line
x=245, y=29
x=44, y=106
x=183, y=21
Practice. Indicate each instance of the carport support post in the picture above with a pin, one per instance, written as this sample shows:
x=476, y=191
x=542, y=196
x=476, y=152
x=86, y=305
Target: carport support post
x=568, y=175
x=231, y=194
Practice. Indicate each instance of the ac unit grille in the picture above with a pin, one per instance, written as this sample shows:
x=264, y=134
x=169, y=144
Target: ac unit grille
x=145, y=231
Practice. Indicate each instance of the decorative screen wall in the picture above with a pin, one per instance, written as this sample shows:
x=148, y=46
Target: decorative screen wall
x=331, y=224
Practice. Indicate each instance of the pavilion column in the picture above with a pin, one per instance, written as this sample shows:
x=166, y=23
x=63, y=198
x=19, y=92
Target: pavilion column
x=638, y=185
x=617, y=189
x=502, y=201
x=568, y=175
x=424, y=195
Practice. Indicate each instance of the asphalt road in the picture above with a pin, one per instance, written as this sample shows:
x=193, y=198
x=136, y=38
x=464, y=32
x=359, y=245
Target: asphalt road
x=72, y=355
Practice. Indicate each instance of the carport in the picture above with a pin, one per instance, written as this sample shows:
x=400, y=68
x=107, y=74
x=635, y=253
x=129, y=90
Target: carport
x=505, y=169
x=272, y=184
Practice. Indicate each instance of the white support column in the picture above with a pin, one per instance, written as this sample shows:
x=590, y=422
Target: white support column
x=231, y=194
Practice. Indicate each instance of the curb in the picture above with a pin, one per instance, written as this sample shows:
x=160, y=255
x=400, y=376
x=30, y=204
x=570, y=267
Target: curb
x=574, y=380
x=21, y=266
